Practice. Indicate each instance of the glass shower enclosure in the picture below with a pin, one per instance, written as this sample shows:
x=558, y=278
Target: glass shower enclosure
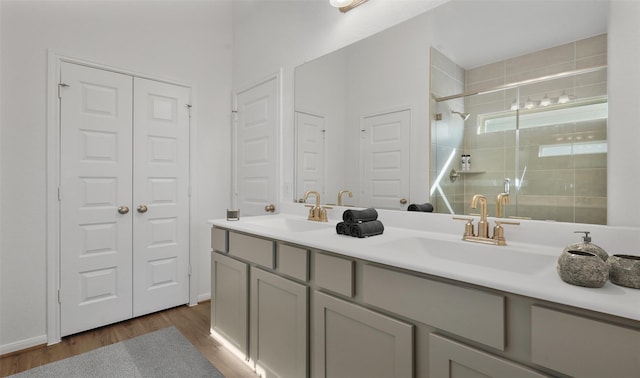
x=539, y=146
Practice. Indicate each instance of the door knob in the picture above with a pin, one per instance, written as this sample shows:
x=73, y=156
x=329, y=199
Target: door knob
x=403, y=201
x=270, y=208
x=142, y=208
x=123, y=209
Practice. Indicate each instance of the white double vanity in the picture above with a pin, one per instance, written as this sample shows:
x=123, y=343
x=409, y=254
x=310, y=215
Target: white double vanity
x=295, y=299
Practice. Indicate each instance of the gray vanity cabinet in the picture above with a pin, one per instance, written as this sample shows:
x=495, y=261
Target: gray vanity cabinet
x=597, y=348
x=448, y=358
x=229, y=309
x=352, y=341
x=278, y=336
x=295, y=311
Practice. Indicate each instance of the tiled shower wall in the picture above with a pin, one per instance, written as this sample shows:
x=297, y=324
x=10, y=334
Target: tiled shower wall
x=565, y=188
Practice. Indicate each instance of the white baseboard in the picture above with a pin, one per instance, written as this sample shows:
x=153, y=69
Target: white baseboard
x=22, y=344
x=204, y=297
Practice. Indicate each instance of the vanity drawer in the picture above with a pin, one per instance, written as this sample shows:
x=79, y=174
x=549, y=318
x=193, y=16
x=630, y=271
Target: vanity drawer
x=293, y=261
x=334, y=273
x=583, y=347
x=470, y=313
x=219, y=240
x=253, y=249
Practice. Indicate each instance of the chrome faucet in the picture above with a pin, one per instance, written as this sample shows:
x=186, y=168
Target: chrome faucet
x=316, y=213
x=501, y=199
x=483, y=225
x=340, y=196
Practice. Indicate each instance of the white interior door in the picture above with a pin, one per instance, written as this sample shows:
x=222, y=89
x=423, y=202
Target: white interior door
x=385, y=144
x=95, y=181
x=124, y=197
x=310, y=131
x=256, y=146
x=160, y=196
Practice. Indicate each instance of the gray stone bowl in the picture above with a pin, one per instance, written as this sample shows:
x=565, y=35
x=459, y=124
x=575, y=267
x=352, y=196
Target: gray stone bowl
x=582, y=268
x=624, y=270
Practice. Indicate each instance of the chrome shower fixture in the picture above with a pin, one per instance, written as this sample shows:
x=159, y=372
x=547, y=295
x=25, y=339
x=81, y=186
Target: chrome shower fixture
x=464, y=116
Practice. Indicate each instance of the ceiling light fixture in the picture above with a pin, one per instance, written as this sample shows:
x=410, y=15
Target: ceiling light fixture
x=564, y=98
x=529, y=104
x=346, y=5
x=546, y=101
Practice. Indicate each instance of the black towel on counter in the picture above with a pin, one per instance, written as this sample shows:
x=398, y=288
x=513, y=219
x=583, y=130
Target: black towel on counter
x=342, y=228
x=364, y=229
x=353, y=216
x=424, y=207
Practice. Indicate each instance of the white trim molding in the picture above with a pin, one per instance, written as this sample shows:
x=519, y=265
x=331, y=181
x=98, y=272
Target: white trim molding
x=54, y=62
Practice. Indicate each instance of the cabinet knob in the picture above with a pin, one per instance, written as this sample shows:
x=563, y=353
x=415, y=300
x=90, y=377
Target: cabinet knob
x=270, y=208
x=403, y=201
x=123, y=209
x=142, y=208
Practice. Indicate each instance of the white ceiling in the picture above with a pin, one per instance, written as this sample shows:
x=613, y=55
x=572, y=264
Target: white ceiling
x=478, y=32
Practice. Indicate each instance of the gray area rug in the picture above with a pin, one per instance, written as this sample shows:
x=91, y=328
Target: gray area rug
x=163, y=353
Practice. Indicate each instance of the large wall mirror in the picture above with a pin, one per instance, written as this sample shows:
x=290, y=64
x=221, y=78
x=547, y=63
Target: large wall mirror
x=375, y=119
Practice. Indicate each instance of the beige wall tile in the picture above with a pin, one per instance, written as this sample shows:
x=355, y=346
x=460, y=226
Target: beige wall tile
x=596, y=45
x=488, y=72
x=553, y=56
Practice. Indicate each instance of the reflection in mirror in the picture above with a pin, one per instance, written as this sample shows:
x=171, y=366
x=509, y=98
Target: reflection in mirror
x=342, y=100
x=539, y=145
x=355, y=119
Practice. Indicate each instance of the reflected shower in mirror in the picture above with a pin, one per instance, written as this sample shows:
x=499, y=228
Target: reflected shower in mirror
x=545, y=139
x=365, y=114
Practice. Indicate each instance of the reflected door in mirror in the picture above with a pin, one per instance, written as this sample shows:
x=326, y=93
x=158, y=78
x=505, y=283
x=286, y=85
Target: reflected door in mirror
x=385, y=159
x=310, y=130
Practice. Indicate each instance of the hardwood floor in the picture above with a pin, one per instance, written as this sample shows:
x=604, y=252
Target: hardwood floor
x=192, y=322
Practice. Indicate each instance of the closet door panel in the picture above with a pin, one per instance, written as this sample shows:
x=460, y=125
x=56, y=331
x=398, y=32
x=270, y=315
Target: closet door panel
x=160, y=196
x=95, y=191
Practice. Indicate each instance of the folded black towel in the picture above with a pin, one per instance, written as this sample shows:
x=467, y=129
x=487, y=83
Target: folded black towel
x=342, y=228
x=364, y=229
x=365, y=215
x=425, y=207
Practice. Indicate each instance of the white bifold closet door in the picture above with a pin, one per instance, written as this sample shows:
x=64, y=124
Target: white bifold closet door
x=124, y=201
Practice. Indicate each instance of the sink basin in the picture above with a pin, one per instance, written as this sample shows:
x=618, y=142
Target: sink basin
x=504, y=258
x=287, y=224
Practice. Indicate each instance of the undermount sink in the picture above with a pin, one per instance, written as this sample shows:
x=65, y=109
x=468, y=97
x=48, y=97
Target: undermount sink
x=287, y=224
x=504, y=258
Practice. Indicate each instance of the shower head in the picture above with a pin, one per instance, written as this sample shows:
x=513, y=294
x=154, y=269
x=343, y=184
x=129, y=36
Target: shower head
x=464, y=116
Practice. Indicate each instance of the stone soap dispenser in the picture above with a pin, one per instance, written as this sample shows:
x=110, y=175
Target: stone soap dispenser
x=582, y=269
x=583, y=264
x=587, y=246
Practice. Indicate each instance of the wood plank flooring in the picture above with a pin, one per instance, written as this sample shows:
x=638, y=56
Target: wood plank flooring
x=192, y=322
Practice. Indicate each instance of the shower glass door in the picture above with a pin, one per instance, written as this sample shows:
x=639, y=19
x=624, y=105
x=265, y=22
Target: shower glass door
x=542, y=145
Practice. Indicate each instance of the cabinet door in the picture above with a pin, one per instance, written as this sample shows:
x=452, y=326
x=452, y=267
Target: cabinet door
x=351, y=341
x=278, y=338
x=229, y=300
x=451, y=359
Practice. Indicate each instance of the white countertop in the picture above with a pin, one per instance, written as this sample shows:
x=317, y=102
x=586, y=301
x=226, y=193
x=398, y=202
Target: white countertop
x=524, y=269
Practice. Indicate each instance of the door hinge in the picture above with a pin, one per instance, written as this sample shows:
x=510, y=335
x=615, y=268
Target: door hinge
x=59, y=297
x=59, y=195
x=189, y=106
x=61, y=85
x=234, y=115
